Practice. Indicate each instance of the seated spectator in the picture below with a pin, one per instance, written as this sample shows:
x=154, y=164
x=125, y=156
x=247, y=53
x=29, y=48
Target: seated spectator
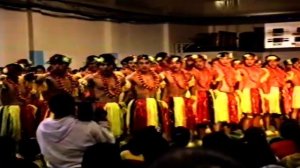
x=289, y=131
x=8, y=157
x=85, y=111
x=102, y=155
x=64, y=139
x=29, y=150
x=258, y=148
x=195, y=158
x=146, y=145
x=220, y=142
x=180, y=137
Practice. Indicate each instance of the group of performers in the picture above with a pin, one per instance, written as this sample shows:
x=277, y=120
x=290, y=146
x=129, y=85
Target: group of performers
x=164, y=91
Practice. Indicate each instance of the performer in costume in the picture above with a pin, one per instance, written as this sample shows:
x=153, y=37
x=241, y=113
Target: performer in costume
x=128, y=65
x=143, y=110
x=273, y=88
x=226, y=102
x=288, y=65
x=236, y=64
x=250, y=87
x=294, y=79
x=287, y=92
x=162, y=65
x=17, y=115
x=202, y=91
x=178, y=82
x=25, y=64
x=91, y=66
x=189, y=62
x=105, y=87
x=56, y=81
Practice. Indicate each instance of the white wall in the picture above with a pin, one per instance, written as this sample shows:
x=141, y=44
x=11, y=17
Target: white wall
x=137, y=39
x=14, y=42
x=75, y=38
x=79, y=38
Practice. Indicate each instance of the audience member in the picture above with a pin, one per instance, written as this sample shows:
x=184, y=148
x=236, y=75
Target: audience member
x=102, y=155
x=290, y=133
x=180, y=137
x=195, y=158
x=8, y=157
x=258, y=148
x=64, y=139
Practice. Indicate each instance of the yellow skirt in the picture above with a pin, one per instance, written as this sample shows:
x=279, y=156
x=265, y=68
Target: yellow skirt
x=274, y=100
x=296, y=97
x=115, y=118
x=221, y=107
x=179, y=111
x=11, y=121
x=246, y=104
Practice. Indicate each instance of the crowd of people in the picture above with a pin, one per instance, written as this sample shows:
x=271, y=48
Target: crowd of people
x=150, y=106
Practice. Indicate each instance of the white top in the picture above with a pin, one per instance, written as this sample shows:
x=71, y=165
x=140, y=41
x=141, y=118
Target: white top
x=64, y=141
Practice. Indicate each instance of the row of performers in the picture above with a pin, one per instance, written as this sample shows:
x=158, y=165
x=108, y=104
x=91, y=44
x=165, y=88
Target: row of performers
x=165, y=95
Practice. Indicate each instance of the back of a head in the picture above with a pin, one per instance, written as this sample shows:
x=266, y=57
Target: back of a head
x=255, y=135
x=290, y=129
x=152, y=143
x=181, y=136
x=62, y=105
x=8, y=149
x=217, y=141
x=102, y=155
x=29, y=149
x=85, y=111
x=194, y=158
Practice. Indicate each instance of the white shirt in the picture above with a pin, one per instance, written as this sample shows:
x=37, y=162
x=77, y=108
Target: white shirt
x=64, y=141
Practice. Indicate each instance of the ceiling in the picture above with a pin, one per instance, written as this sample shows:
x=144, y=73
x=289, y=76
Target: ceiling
x=175, y=11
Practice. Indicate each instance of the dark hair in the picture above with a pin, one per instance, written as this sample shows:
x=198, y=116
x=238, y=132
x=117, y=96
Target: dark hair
x=162, y=55
x=13, y=69
x=290, y=129
x=109, y=59
x=102, y=155
x=29, y=149
x=85, y=111
x=62, y=105
x=8, y=149
x=40, y=67
x=259, y=147
x=90, y=59
x=222, y=54
x=195, y=158
x=126, y=60
x=172, y=57
x=295, y=60
x=180, y=136
x=143, y=56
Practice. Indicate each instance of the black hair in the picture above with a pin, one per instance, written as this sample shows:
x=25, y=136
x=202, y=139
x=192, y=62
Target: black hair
x=109, y=59
x=62, y=105
x=181, y=136
x=126, y=60
x=195, y=158
x=143, y=56
x=102, y=155
x=85, y=111
x=170, y=59
x=13, y=69
x=162, y=55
